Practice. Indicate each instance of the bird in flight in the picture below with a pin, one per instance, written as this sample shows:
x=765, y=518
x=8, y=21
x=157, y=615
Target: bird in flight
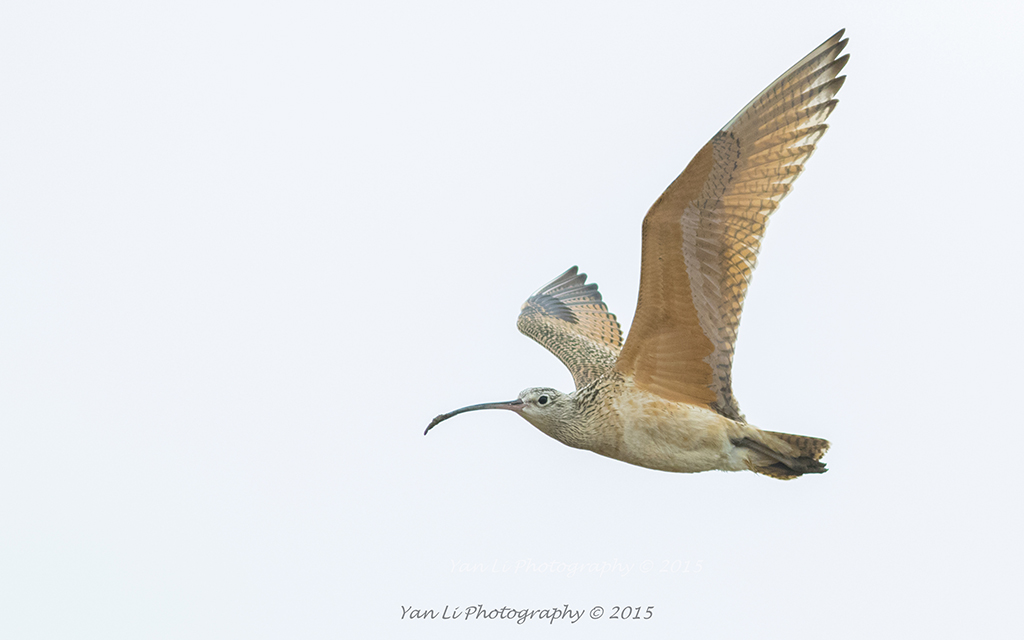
x=663, y=400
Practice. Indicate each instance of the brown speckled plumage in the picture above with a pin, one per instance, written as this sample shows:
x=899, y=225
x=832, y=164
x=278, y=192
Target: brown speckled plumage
x=569, y=318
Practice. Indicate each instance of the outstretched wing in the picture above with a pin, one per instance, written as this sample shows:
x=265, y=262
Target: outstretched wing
x=569, y=319
x=702, y=236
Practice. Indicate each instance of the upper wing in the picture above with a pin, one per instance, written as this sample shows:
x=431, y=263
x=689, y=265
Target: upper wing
x=568, y=317
x=701, y=237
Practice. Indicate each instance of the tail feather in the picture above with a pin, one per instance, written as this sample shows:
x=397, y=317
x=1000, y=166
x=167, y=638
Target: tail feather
x=784, y=455
x=807, y=446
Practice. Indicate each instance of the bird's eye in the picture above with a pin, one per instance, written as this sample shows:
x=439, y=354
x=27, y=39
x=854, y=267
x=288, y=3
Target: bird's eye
x=542, y=400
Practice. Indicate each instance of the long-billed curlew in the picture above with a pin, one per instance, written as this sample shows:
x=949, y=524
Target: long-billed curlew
x=664, y=399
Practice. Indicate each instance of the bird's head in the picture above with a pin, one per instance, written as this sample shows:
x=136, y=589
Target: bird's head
x=546, y=408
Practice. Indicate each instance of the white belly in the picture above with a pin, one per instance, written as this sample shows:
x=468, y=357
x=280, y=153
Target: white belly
x=672, y=436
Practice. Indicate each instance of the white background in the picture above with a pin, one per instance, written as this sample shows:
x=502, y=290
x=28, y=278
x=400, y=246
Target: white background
x=248, y=250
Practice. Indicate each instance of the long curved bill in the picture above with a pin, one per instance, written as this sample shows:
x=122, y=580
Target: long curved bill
x=512, y=405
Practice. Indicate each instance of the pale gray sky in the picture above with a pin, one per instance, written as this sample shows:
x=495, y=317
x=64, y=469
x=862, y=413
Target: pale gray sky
x=249, y=251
